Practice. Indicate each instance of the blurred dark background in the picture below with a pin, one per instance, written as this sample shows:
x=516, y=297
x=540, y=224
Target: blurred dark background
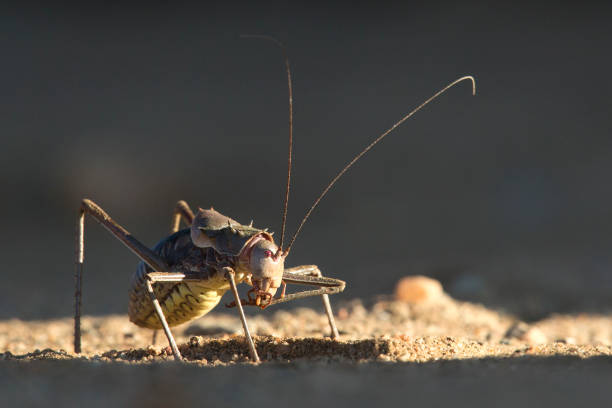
x=505, y=197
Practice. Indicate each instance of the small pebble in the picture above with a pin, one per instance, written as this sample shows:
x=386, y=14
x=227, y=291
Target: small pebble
x=526, y=333
x=418, y=289
x=535, y=336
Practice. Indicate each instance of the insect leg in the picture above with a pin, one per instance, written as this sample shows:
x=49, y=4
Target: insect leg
x=181, y=211
x=229, y=275
x=153, y=277
x=311, y=275
x=144, y=253
x=154, y=338
x=162, y=319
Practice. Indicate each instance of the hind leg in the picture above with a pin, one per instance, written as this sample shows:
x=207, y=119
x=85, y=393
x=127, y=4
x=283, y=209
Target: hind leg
x=140, y=250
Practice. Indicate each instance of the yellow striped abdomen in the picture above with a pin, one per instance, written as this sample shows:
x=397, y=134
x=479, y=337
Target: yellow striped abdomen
x=180, y=301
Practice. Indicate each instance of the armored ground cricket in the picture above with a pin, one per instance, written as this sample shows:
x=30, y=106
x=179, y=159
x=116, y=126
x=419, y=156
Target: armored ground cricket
x=185, y=275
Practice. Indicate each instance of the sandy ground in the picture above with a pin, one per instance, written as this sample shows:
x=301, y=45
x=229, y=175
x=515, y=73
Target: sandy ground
x=435, y=351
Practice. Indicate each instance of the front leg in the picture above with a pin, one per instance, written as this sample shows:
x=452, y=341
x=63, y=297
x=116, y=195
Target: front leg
x=311, y=275
x=230, y=276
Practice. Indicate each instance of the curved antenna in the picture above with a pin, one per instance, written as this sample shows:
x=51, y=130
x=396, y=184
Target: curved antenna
x=378, y=139
x=290, y=87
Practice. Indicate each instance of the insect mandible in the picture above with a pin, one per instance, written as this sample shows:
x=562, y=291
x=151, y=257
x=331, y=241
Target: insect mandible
x=185, y=275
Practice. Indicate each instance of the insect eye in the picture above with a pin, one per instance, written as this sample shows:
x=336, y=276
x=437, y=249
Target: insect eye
x=267, y=253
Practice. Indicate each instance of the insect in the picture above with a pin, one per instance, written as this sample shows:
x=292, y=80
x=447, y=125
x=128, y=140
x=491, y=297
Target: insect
x=185, y=275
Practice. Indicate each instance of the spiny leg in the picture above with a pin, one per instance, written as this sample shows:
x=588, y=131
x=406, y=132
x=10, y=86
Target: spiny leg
x=181, y=211
x=144, y=253
x=330, y=286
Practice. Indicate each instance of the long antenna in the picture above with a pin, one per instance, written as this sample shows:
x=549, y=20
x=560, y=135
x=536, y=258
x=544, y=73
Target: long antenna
x=290, y=87
x=378, y=139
